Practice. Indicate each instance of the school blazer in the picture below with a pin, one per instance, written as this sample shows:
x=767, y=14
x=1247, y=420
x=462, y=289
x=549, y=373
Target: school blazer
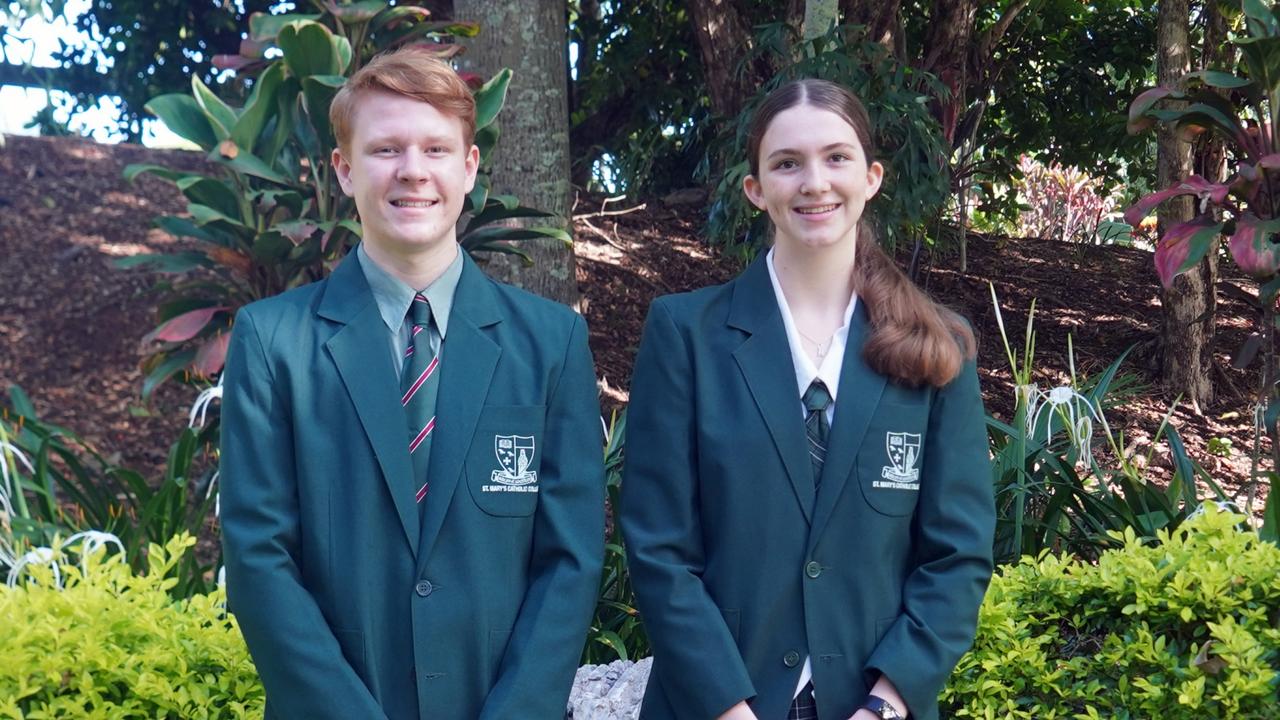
x=741, y=569
x=352, y=604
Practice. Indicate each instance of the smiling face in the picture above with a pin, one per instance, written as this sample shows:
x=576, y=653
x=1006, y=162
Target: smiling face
x=409, y=169
x=813, y=178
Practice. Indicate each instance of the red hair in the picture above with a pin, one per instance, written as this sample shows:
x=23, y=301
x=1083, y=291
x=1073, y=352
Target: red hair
x=410, y=72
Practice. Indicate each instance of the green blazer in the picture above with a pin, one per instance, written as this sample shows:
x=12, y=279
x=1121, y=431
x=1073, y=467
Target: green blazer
x=741, y=569
x=354, y=601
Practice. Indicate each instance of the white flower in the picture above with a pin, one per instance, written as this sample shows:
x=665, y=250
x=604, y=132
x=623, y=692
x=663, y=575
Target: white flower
x=7, y=479
x=90, y=541
x=201, y=406
x=1071, y=407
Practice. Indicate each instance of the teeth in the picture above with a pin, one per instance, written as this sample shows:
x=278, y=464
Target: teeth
x=412, y=203
x=816, y=210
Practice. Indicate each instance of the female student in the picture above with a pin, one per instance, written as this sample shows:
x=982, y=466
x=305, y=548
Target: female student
x=807, y=501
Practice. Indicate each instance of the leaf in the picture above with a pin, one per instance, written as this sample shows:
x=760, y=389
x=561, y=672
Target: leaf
x=1247, y=352
x=183, y=327
x=221, y=117
x=1194, y=185
x=184, y=116
x=357, y=12
x=318, y=92
x=212, y=193
x=246, y=163
x=393, y=16
x=132, y=171
x=1183, y=246
x=1218, y=79
x=260, y=107
x=171, y=365
x=264, y=28
x=1138, y=118
x=1271, y=514
x=491, y=97
x=1252, y=249
x=165, y=262
x=308, y=49
x=298, y=231
x=212, y=355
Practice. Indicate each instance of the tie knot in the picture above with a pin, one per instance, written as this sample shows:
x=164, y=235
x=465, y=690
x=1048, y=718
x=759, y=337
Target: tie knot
x=816, y=398
x=420, y=310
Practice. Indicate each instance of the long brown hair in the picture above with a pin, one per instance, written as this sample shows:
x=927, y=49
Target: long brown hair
x=913, y=340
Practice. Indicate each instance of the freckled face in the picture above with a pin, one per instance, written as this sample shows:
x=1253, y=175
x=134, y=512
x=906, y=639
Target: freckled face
x=814, y=180
x=409, y=169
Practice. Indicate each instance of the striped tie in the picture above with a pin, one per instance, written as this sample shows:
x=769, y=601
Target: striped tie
x=816, y=400
x=420, y=386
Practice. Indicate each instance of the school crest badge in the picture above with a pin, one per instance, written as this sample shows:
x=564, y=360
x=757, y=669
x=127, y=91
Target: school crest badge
x=515, y=456
x=902, y=472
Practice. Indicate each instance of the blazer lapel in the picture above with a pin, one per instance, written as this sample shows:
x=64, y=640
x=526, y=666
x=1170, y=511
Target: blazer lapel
x=765, y=361
x=359, y=350
x=860, y=391
x=468, y=358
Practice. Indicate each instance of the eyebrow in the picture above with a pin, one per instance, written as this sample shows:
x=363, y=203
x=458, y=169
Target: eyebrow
x=793, y=151
x=394, y=138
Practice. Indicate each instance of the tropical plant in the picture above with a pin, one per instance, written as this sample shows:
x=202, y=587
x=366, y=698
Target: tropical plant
x=56, y=485
x=1053, y=492
x=1242, y=106
x=103, y=640
x=1064, y=203
x=273, y=216
x=1179, y=628
x=616, y=632
x=907, y=138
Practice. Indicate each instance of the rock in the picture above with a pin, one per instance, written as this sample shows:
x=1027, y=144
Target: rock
x=608, y=692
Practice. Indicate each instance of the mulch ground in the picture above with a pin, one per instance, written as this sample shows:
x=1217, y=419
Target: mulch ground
x=70, y=322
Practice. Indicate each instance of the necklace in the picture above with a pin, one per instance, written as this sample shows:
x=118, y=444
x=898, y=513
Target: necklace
x=820, y=348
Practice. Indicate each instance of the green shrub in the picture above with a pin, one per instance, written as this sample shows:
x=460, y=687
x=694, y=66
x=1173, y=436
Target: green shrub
x=1186, y=627
x=114, y=644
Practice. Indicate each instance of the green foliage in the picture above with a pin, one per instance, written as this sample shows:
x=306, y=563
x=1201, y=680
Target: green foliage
x=1053, y=492
x=58, y=484
x=616, y=632
x=114, y=644
x=1183, y=627
x=907, y=138
x=274, y=217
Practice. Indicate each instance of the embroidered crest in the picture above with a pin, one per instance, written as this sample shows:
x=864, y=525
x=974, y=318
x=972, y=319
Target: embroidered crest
x=902, y=472
x=515, y=456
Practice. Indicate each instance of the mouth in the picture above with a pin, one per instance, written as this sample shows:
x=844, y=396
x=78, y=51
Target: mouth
x=414, y=203
x=817, y=209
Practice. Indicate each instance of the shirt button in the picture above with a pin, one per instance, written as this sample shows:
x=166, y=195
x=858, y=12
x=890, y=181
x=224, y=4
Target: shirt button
x=791, y=659
x=812, y=569
x=423, y=588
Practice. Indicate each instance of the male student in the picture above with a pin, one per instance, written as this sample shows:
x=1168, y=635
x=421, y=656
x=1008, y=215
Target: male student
x=412, y=505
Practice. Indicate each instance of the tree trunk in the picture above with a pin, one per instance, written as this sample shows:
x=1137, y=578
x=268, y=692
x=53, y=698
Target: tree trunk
x=531, y=160
x=948, y=44
x=819, y=17
x=1183, y=342
x=724, y=39
x=880, y=18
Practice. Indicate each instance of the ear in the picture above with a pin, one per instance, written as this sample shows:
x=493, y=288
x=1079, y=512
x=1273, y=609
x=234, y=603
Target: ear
x=342, y=169
x=875, y=176
x=472, y=164
x=751, y=187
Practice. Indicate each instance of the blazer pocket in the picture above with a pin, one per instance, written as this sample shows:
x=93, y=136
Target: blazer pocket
x=891, y=461
x=503, y=464
x=352, y=644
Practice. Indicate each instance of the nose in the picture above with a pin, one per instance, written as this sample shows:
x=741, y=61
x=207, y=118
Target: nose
x=814, y=181
x=412, y=167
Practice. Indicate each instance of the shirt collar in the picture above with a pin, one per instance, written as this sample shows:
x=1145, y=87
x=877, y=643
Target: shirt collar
x=806, y=373
x=394, y=296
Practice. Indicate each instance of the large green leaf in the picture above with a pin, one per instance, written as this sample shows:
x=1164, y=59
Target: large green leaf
x=222, y=118
x=165, y=262
x=213, y=193
x=245, y=162
x=133, y=170
x=264, y=28
x=184, y=116
x=309, y=49
x=354, y=13
x=260, y=107
x=318, y=92
x=491, y=97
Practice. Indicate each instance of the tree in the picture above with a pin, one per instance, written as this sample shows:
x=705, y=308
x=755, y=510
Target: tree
x=1185, y=357
x=533, y=159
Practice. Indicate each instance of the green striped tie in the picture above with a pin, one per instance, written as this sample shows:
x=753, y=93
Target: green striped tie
x=816, y=400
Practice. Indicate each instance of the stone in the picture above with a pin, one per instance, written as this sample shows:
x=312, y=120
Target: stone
x=609, y=692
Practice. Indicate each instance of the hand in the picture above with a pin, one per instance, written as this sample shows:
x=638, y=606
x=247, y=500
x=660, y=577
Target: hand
x=864, y=715
x=741, y=711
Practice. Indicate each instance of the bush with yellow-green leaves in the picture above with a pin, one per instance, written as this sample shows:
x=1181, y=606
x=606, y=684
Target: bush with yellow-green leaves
x=1187, y=627
x=111, y=644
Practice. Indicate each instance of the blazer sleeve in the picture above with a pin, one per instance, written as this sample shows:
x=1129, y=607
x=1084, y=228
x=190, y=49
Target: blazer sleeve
x=697, y=660
x=952, y=564
x=541, y=658
x=293, y=648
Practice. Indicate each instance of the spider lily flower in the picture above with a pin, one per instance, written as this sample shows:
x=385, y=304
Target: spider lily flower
x=90, y=541
x=201, y=406
x=9, y=453
x=1076, y=412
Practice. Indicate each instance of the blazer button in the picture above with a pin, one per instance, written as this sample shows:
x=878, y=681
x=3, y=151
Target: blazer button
x=423, y=588
x=812, y=569
x=791, y=659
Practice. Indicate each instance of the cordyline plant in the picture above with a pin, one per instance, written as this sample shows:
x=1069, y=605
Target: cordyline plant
x=1242, y=107
x=274, y=217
